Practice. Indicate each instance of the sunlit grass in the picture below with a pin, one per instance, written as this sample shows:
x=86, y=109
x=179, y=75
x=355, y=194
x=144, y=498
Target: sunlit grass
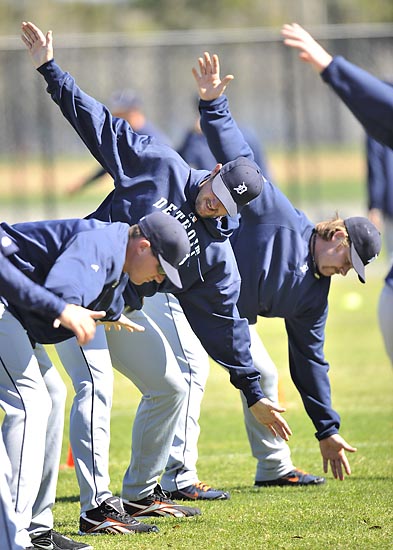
x=350, y=515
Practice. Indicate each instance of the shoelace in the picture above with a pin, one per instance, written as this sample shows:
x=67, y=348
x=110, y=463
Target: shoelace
x=161, y=495
x=45, y=538
x=122, y=516
x=202, y=486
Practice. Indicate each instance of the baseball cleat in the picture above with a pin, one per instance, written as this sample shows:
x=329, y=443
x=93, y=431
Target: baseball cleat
x=111, y=519
x=159, y=505
x=199, y=491
x=296, y=478
x=52, y=540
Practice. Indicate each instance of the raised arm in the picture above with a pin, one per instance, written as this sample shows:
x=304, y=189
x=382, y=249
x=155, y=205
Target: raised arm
x=310, y=51
x=224, y=137
x=210, y=85
x=39, y=45
x=103, y=134
x=369, y=98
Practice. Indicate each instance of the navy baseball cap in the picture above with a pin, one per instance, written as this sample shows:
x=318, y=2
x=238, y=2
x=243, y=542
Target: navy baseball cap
x=169, y=242
x=124, y=100
x=237, y=183
x=7, y=245
x=365, y=243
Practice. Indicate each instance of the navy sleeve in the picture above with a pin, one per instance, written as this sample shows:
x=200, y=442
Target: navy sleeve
x=85, y=273
x=309, y=371
x=20, y=291
x=213, y=316
x=389, y=277
x=369, y=99
x=102, y=134
x=375, y=173
x=224, y=137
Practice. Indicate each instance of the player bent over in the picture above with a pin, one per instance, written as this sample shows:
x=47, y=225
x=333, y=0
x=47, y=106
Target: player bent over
x=288, y=276
x=149, y=176
x=82, y=262
x=16, y=287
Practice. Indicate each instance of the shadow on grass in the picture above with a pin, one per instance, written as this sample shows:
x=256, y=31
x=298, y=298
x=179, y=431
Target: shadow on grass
x=72, y=498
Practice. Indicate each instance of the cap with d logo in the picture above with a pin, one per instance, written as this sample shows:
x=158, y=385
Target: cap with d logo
x=237, y=183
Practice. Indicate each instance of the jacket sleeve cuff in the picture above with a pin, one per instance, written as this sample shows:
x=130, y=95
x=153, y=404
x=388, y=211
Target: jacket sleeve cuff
x=326, y=433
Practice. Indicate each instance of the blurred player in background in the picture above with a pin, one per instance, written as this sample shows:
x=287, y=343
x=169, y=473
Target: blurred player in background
x=196, y=151
x=126, y=104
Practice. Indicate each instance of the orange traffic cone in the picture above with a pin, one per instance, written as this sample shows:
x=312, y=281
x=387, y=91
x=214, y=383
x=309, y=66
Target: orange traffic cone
x=70, y=460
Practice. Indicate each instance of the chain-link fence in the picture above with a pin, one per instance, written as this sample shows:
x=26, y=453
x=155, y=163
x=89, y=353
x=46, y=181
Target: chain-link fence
x=281, y=99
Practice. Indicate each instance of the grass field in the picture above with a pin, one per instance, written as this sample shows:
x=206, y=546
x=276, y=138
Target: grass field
x=352, y=515
x=349, y=515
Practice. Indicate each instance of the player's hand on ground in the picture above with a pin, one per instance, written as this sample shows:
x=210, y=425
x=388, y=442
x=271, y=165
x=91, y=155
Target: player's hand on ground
x=333, y=452
x=210, y=86
x=310, y=51
x=268, y=414
x=80, y=320
x=40, y=46
x=122, y=323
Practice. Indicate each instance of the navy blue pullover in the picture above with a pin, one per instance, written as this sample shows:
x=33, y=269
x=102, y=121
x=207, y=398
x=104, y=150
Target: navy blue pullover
x=147, y=176
x=272, y=248
x=18, y=289
x=80, y=261
x=369, y=99
x=389, y=277
x=380, y=176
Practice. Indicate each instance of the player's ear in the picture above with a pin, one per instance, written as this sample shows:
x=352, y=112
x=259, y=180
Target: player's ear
x=339, y=236
x=144, y=245
x=216, y=170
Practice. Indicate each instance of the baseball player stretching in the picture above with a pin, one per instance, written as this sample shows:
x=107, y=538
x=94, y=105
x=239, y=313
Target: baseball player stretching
x=288, y=275
x=273, y=455
x=83, y=262
x=371, y=102
x=16, y=287
x=148, y=177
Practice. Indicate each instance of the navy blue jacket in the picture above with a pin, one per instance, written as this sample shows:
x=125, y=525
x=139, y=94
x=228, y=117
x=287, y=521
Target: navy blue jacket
x=80, y=261
x=389, y=277
x=196, y=151
x=278, y=278
x=18, y=289
x=380, y=176
x=369, y=99
x=147, y=129
x=148, y=176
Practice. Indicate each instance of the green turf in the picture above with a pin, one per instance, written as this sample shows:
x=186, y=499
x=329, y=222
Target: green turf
x=349, y=515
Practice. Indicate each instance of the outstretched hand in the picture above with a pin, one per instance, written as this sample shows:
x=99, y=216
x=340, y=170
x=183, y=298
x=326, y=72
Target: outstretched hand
x=210, y=86
x=310, y=51
x=333, y=452
x=40, y=46
x=267, y=413
x=80, y=320
x=122, y=323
